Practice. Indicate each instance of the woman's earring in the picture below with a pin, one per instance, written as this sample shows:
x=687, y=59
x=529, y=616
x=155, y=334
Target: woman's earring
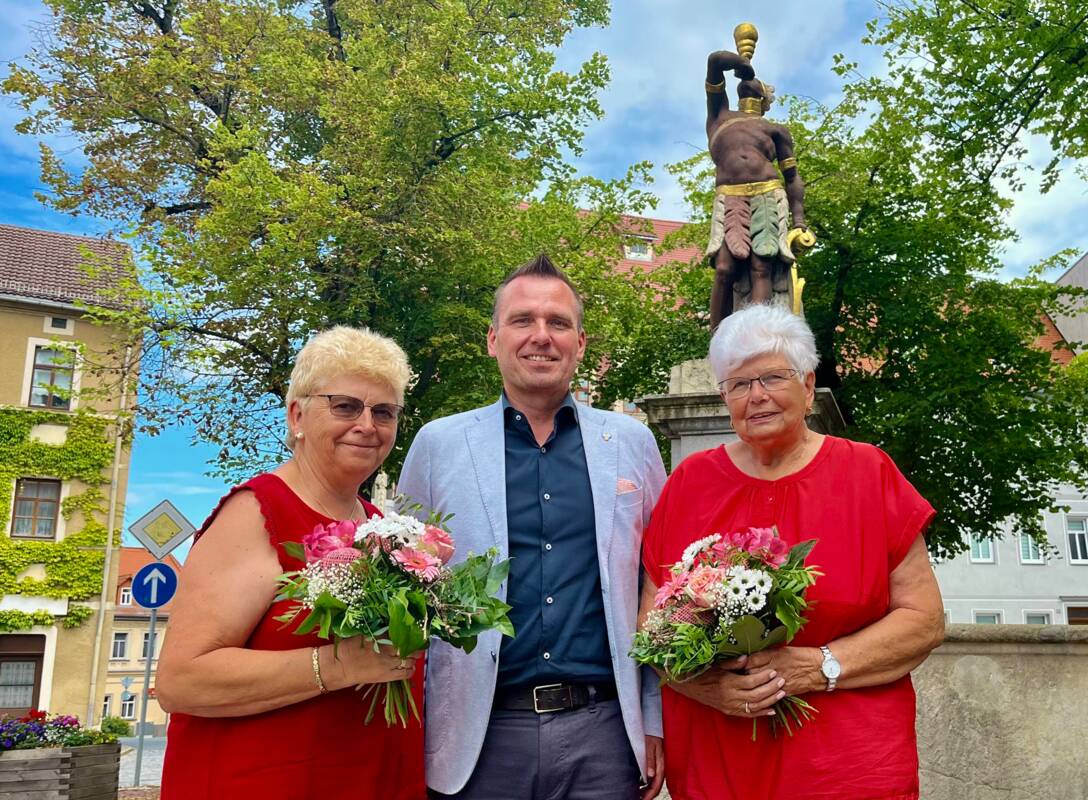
x=300, y=434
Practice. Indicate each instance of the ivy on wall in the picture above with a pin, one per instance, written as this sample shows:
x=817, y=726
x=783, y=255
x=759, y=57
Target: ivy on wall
x=73, y=566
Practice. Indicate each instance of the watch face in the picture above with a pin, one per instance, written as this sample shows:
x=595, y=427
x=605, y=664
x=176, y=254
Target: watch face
x=831, y=668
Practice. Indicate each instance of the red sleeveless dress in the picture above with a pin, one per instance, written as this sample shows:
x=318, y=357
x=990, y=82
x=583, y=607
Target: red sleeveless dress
x=318, y=748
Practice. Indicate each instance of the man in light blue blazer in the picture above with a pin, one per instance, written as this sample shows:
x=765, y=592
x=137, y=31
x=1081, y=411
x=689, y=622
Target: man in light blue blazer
x=565, y=491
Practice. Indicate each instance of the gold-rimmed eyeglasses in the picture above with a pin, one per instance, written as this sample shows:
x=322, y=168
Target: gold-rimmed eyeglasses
x=344, y=406
x=773, y=381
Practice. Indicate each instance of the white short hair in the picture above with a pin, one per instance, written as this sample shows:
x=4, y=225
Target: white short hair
x=347, y=351
x=758, y=330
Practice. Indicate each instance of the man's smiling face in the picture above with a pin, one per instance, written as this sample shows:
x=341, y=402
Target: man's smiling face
x=536, y=340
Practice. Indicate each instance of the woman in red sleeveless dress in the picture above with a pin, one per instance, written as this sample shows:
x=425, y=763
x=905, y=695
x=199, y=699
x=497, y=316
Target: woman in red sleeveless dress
x=876, y=611
x=258, y=711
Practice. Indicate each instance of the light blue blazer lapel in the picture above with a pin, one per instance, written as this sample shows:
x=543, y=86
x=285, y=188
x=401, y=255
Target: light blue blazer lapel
x=487, y=449
x=602, y=461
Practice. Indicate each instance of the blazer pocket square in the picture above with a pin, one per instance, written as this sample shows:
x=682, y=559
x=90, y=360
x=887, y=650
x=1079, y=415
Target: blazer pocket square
x=624, y=486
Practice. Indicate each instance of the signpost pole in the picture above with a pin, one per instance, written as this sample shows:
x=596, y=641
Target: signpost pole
x=147, y=685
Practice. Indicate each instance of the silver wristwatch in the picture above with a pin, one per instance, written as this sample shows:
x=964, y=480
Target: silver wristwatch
x=831, y=668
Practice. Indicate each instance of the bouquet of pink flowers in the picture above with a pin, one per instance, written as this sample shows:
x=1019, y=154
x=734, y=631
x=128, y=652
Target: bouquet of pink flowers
x=388, y=579
x=730, y=595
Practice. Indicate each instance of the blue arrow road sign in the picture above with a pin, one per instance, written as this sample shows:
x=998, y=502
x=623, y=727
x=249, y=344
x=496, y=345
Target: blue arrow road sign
x=154, y=585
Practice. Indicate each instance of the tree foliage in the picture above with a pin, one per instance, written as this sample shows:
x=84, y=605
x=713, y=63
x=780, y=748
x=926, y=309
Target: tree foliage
x=982, y=73
x=287, y=166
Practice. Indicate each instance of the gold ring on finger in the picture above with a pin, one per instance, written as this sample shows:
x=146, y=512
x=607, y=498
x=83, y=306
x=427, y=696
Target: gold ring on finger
x=403, y=664
x=746, y=711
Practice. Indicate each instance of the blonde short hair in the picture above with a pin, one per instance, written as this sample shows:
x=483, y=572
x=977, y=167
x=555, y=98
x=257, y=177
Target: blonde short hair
x=347, y=351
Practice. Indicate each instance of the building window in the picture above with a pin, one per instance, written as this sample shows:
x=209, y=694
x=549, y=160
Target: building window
x=128, y=705
x=146, y=645
x=987, y=617
x=17, y=683
x=107, y=705
x=1030, y=552
x=126, y=596
x=1036, y=617
x=120, y=646
x=1078, y=540
x=36, y=505
x=21, y=656
x=1076, y=615
x=639, y=249
x=51, y=381
x=58, y=323
x=982, y=550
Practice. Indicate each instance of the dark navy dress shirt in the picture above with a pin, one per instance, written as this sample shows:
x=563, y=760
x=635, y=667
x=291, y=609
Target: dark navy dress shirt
x=555, y=579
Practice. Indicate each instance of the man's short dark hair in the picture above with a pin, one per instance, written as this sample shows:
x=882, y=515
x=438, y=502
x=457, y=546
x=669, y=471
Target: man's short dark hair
x=539, y=267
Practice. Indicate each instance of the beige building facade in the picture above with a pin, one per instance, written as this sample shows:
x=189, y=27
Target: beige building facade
x=63, y=471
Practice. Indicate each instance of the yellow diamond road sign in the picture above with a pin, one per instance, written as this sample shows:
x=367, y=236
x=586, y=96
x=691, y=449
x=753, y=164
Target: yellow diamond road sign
x=162, y=529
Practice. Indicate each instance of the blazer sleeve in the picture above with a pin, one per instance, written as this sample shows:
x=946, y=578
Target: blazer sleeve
x=415, y=475
x=653, y=480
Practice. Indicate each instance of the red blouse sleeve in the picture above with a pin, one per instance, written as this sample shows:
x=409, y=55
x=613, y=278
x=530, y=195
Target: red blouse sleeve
x=906, y=512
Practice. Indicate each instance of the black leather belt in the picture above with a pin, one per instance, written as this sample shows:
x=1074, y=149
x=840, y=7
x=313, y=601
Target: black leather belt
x=554, y=696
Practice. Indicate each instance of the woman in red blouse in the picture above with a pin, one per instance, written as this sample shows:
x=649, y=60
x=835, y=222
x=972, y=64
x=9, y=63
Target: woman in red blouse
x=876, y=611
x=257, y=711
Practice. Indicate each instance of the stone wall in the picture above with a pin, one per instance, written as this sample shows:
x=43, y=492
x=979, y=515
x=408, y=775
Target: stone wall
x=1003, y=714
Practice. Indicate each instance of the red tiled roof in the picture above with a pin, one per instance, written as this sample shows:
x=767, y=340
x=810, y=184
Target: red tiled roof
x=48, y=266
x=659, y=229
x=1050, y=340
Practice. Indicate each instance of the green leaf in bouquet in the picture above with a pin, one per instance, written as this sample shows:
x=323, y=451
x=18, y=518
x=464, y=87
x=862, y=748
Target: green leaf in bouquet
x=727, y=648
x=404, y=632
x=748, y=631
x=496, y=576
x=776, y=636
x=798, y=553
x=312, y=621
x=295, y=550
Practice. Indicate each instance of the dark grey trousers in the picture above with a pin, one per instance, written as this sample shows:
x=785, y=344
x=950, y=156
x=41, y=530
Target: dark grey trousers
x=568, y=755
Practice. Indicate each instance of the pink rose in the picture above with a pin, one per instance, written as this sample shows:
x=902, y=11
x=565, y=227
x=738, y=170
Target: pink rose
x=673, y=587
x=765, y=545
x=421, y=564
x=437, y=542
x=326, y=538
x=702, y=585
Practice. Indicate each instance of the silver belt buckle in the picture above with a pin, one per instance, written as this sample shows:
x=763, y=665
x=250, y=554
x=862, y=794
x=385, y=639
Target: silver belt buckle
x=536, y=698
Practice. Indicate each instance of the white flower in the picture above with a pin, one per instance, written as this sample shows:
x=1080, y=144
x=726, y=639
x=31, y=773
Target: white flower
x=761, y=581
x=692, y=551
x=745, y=578
x=339, y=580
x=400, y=527
x=756, y=601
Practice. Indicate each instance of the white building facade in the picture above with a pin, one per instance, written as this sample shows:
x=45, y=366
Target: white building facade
x=1009, y=579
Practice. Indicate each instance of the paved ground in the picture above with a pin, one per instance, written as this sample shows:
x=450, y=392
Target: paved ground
x=150, y=766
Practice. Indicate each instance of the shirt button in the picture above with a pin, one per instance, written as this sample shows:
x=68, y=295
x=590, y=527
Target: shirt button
x=547, y=656
x=517, y=417
x=548, y=546
x=547, y=496
x=543, y=449
x=550, y=600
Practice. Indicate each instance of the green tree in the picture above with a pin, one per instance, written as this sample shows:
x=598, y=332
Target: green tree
x=928, y=354
x=287, y=166
x=982, y=73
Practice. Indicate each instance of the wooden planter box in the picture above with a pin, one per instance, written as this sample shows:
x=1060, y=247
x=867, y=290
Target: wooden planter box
x=60, y=773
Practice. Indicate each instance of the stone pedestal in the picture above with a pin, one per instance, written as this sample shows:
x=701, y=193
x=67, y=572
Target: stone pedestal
x=694, y=417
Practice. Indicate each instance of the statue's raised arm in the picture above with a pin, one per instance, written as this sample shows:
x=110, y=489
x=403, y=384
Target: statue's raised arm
x=751, y=234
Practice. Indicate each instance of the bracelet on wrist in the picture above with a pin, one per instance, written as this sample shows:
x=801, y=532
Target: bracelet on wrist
x=315, y=660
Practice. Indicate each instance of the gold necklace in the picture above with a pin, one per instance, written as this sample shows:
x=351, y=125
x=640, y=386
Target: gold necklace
x=355, y=506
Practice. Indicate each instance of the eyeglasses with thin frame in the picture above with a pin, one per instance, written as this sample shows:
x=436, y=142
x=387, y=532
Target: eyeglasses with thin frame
x=774, y=381
x=344, y=406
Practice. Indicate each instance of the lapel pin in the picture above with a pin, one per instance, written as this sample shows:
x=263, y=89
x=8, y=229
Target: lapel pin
x=606, y=436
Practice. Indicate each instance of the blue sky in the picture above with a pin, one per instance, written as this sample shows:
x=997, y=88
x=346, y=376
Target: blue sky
x=654, y=111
